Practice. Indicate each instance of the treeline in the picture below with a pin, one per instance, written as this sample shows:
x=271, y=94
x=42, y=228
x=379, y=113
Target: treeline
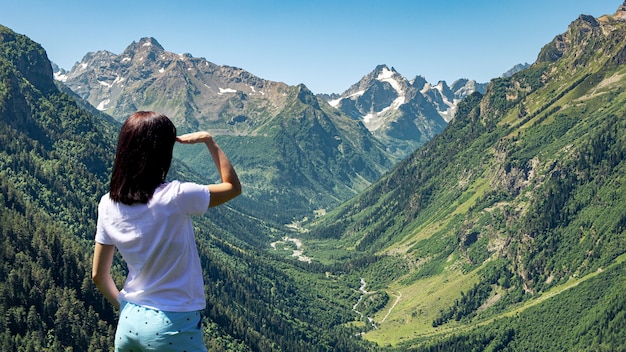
x=47, y=300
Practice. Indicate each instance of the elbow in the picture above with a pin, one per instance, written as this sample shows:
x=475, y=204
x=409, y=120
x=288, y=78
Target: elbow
x=237, y=189
x=97, y=278
x=223, y=193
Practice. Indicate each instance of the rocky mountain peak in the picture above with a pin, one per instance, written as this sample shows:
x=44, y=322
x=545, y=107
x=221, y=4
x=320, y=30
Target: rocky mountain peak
x=444, y=88
x=582, y=30
x=381, y=76
x=621, y=12
x=515, y=69
x=588, y=20
x=419, y=82
x=383, y=68
x=307, y=97
x=145, y=44
x=146, y=49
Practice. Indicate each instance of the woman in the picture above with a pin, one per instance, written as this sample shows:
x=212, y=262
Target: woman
x=148, y=220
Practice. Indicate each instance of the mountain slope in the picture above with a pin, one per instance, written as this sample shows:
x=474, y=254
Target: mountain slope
x=52, y=160
x=521, y=193
x=293, y=152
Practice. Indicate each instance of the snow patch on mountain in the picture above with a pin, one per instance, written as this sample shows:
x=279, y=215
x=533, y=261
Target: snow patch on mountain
x=60, y=76
x=386, y=75
x=226, y=90
x=103, y=104
x=335, y=102
x=389, y=76
x=400, y=112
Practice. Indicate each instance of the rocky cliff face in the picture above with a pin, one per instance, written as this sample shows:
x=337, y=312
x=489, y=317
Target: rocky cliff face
x=29, y=58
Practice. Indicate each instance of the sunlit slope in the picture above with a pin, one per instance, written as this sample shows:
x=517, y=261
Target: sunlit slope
x=521, y=193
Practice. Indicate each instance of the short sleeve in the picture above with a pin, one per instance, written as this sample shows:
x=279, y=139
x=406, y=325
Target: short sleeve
x=101, y=235
x=192, y=198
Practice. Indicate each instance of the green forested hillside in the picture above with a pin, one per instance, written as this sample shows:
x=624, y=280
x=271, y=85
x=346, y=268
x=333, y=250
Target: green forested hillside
x=505, y=232
x=521, y=196
x=55, y=160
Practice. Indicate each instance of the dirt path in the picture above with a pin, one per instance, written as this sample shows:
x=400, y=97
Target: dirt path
x=393, y=306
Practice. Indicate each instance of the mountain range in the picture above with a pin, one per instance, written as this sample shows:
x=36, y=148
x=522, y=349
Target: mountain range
x=316, y=154
x=504, y=231
x=261, y=122
x=402, y=114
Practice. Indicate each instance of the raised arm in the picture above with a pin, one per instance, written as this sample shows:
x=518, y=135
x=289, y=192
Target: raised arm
x=230, y=187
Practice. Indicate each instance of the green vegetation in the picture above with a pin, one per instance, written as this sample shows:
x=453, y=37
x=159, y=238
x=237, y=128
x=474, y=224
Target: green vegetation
x=504, y=232
x=522, y=193
x=587, y=317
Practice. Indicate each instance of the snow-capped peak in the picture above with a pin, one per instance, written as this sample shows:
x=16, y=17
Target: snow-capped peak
x=389, y=76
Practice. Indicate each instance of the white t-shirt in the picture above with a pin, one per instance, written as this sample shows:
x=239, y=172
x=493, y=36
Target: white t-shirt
x=157, y=242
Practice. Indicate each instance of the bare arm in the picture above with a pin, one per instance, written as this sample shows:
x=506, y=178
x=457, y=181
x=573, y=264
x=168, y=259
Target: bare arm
x=230, y=187
x=101, y=273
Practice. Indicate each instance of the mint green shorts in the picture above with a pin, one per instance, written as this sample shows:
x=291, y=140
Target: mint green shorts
x=144, y=329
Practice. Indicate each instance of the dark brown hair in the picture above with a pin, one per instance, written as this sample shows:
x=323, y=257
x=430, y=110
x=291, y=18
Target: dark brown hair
x=143, y=157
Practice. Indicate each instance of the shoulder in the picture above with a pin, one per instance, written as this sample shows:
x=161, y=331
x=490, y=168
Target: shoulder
x=180, y=188
x=174, y=190
x=167, y=190
x=190, y=198
x=105, y=201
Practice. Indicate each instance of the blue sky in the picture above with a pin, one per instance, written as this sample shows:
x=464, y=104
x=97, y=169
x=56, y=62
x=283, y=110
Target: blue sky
x=327, y=45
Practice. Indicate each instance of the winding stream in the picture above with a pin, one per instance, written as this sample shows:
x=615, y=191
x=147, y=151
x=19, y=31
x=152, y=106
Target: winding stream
x=364, y=292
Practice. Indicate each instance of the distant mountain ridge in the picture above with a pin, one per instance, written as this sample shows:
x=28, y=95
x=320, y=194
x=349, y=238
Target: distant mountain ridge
x=402, y=114
x=193, y=91
x=515, y=69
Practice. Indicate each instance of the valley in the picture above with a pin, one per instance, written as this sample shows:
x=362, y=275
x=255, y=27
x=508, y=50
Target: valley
x=371, y=220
